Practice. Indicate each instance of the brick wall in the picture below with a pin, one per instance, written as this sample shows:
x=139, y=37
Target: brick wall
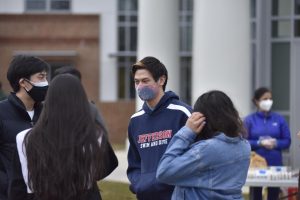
x=116, y=116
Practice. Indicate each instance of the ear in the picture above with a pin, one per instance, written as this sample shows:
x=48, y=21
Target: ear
x=22, y=82
x=162, y=80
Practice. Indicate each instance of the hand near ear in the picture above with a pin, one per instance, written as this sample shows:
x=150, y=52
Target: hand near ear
x=196, y=122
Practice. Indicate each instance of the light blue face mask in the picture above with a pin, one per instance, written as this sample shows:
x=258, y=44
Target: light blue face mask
x=146, y=93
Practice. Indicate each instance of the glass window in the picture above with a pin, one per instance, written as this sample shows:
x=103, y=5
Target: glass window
x=121, y=82
x=281, y=7
x=121, y=39
x=60, y=5
x=297, y=28
x=253, y=8
x=36, y=5
x=127, y=5
x=127, y=45
x=186, y=81
x=48, y=5
x=281, y=28
x=185, y=5
x=280, y=75
x=126, y=89
x=253, y=30
x=133, y=38
x=297, y=7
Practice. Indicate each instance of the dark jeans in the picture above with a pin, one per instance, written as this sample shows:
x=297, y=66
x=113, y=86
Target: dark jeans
x=256, y=193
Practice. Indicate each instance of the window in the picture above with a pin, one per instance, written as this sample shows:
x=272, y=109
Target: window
x=127, y=46
x=281, y=18
x=186, y=35
x=47, y=5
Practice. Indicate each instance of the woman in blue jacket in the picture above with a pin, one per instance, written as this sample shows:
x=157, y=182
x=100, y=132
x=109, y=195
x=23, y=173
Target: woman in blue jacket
x=207, y=158
x=268, y=134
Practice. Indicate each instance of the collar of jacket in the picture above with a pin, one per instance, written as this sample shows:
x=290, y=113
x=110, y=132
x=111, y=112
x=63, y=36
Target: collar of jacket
x=19, y=105
x=163, y=102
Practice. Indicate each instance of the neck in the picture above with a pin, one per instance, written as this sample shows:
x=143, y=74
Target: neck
x=27, y=100
x=153, y=102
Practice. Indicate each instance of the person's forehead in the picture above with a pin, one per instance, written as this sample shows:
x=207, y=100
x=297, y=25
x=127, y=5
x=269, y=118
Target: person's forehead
x=39, y=73
x=266, y=95
x=142, y=73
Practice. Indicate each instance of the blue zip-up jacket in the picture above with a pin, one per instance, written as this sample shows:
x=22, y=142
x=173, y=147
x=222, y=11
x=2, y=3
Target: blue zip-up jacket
x=212, y=169
x=149, y=133
x=258, y=124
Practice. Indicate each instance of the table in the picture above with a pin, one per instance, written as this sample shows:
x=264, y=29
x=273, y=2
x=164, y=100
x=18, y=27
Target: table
x=255, y=182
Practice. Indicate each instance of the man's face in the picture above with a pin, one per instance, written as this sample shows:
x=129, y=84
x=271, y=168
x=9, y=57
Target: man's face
x=142, y=78
x=147, y=88
x=36, y=78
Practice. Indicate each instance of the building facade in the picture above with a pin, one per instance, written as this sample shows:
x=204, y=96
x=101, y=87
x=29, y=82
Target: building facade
x=233, y=45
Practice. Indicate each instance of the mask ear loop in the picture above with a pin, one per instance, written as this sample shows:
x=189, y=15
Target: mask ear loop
x=21, y=82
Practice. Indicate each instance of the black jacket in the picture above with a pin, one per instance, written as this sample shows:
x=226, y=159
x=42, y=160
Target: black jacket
x=13, y=119
x=18, y=188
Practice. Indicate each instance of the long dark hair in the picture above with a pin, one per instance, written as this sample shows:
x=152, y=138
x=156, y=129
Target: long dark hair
x=63, y=148
x=220, y=114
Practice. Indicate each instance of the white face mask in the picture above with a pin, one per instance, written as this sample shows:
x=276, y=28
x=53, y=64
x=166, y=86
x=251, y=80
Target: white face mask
x=266, y=105
x=40, y=84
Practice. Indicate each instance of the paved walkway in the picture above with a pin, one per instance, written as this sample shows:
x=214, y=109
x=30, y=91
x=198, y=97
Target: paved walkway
x=119, y=174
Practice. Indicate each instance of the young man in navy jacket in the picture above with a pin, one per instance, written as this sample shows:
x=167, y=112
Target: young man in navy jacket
x=27, y=76
x=151, y=128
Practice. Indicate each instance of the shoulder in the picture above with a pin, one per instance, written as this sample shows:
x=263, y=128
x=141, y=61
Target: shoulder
x=181, y=107
x=4, y=103
x=278, y=117
x=137, y=114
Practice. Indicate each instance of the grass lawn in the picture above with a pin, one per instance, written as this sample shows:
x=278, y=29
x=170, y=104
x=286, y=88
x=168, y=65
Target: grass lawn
x=115, y=191
x=119, y=191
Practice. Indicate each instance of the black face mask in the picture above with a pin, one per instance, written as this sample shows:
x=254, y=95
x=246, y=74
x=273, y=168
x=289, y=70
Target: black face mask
x=38, y=91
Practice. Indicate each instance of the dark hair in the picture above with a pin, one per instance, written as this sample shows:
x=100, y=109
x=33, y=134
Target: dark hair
x=63, y=151
x=154, y=66
x=258, y=93
x=23, y=66
x=220, y=114
x=68, y=70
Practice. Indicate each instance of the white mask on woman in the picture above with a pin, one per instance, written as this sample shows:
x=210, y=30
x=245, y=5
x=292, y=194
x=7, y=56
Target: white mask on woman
x=266, y=105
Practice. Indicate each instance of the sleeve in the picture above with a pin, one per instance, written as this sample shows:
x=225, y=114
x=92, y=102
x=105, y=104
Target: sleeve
x=110, y=160
x=285, y=136
x=181, y=163
x=134, y=163
x=253, y=142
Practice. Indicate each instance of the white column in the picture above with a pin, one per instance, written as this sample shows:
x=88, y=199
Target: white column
x=221, y=51
x=12, y=6
x=108, y=42
x=158, y=36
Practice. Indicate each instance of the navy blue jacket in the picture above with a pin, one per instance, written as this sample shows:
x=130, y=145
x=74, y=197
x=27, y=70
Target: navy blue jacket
x=149, y=133
x=13, y=119
x=260, y=125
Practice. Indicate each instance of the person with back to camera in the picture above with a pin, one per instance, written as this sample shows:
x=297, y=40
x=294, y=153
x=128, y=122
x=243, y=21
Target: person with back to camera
x=208, y=158
x=109, y=157
x=61, y=156
x=151, y=128
x=27, y=76
x=268, y=134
